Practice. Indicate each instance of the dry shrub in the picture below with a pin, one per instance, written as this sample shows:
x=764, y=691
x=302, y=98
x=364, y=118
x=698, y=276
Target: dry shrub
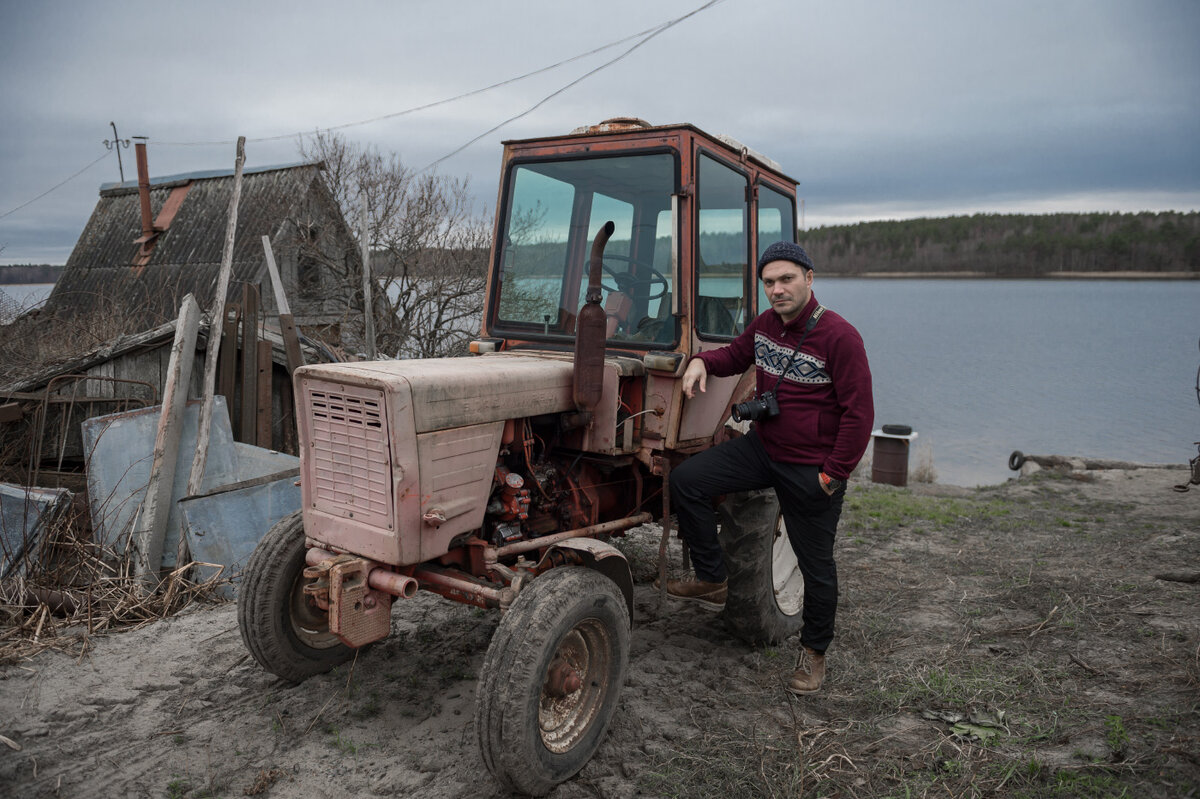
x=73, y=588
x=38, y=340
x=924, y=472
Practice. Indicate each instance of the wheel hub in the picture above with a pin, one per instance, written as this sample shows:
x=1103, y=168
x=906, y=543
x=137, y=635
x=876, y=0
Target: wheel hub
x=575, y=686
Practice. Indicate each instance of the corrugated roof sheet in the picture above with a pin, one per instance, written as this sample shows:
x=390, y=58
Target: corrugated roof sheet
x=187, y=257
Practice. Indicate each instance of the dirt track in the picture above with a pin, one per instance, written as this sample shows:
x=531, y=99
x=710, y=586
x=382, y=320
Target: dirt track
x=1036, y=600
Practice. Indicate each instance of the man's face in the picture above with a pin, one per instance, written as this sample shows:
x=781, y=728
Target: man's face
x=788, y=286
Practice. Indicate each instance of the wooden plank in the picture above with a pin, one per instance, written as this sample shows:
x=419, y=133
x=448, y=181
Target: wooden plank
x=287, y=419
x=262, y=436
x=227, y=362
x=10, y=412
x=151, y=525
x=281, y=302
x=291, y=342
x=249, y=403
x=368, y=301
x=214, y=336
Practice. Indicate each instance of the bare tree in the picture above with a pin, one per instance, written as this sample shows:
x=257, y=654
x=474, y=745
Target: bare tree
x=429, y=246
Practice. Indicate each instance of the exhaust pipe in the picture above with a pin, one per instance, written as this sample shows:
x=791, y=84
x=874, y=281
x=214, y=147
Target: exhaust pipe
x=591, y=330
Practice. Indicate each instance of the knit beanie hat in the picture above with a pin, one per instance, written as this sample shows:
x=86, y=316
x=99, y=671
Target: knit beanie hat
x=784, y=251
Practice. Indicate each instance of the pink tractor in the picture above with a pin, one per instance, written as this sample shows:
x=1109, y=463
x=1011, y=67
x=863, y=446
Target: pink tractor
x=497, y=480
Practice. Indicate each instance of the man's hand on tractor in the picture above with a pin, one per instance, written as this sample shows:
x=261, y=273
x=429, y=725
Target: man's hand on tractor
x=696, y=373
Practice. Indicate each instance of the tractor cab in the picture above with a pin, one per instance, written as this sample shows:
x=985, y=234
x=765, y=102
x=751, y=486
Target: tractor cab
x=691, y=213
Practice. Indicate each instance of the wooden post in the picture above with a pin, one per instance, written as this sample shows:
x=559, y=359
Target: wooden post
x=262, y=434
x=227, y=361
x=152, y=520
x=368, y=306
x=248, y=421
x=287, y=325
x=214, y=336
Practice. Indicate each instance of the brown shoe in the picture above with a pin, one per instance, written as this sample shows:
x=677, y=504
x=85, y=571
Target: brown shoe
x=709, y=595
x=809, y=673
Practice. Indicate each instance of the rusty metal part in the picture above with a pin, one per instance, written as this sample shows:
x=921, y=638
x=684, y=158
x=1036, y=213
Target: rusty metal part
x=565, y=716
x=592, y=554
x=613, y=125
x=591, y=329
x=55, y=394
x=379, y=577
x=582, y=532
x=561, y=679
x=358, y=613
x=666, y=534
x=143, y=171
x=463, y=589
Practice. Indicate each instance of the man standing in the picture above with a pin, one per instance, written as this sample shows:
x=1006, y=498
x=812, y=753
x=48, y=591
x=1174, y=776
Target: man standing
x=811, y=426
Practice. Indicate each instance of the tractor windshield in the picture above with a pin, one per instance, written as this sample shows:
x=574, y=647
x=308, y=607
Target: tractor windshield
x=553, y=210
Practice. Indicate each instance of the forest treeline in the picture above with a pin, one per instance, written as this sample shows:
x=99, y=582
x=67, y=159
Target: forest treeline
x=1012, y=245
x=30, y=273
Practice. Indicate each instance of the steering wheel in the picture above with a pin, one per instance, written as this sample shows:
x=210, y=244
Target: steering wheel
x=628, y=284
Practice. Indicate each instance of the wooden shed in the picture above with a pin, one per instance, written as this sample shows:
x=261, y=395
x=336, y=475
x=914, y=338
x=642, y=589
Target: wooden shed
x=151, y=241
x=40, y=415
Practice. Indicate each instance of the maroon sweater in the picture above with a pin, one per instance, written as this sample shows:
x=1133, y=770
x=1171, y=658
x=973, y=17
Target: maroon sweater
x=825, y=403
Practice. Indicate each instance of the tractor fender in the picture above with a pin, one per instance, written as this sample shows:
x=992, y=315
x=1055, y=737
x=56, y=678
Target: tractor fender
x=601, y=556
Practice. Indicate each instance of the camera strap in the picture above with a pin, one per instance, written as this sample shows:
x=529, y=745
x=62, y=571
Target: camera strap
x=815, y=317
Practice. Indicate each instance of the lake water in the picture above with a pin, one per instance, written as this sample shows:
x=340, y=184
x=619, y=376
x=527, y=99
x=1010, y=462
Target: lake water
x=24, y=295
x=1095, y=368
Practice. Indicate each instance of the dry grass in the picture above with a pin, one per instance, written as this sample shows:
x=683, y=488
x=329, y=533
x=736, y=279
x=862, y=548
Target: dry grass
x=73, y=589
x=1038, y=610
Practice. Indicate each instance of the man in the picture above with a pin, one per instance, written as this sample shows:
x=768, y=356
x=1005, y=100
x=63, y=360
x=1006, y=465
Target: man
x=815, y=364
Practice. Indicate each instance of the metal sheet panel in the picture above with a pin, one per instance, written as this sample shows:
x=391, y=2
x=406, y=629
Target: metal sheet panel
x=119, y=449
x=225, y=526
x=24, y=515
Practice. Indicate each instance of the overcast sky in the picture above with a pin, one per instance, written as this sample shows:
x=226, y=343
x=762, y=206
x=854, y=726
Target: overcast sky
x=880, y=109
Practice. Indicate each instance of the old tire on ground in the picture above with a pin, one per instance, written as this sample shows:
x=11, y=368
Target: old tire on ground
x=287, y=634
x=766, y=588
x=552, y=679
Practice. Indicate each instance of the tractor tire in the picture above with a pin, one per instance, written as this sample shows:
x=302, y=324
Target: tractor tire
x=285, y=632
x=766, y=588
x=552, y=679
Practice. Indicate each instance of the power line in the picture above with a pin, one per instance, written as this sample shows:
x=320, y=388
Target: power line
x=644, y=36
x=52, y=188
x=652, y=32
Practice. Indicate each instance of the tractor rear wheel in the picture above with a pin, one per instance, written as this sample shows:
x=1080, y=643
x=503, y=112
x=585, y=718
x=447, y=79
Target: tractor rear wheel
x=766, y=588
x=552, y=679
x=286, y=632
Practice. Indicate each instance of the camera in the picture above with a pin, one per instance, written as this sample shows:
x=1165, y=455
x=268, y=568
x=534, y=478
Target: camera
x=761, y=407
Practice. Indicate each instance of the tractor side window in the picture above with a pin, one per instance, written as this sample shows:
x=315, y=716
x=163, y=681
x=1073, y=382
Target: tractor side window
x=776, y=222
x=723, y=247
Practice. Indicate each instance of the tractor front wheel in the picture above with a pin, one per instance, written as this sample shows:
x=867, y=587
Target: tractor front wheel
x=552, y=679
x=287, y=633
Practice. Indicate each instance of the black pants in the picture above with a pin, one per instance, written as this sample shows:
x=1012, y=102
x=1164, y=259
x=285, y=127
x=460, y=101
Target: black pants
x=810, y=514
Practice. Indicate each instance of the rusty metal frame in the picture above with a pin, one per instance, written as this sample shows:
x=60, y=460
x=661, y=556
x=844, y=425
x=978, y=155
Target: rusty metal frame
x=49, y=396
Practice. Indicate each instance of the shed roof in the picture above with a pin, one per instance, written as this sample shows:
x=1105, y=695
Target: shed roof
x=103, y=268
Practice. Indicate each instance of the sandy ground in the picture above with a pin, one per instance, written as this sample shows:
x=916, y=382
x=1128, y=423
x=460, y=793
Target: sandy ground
x=179, y=709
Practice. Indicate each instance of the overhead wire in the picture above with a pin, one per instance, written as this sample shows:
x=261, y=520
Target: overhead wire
x=56, y=186
x=642, y=37
x=653, y=33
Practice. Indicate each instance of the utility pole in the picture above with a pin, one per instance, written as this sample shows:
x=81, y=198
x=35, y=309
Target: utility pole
x=368, y=300
x=118, y=143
